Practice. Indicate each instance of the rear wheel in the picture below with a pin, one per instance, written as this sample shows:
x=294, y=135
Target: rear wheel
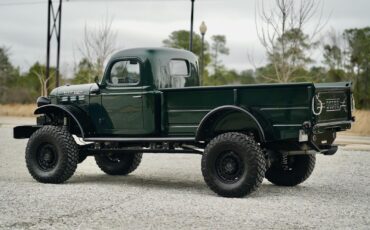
x=118, y=164
x=296, y=171
x=233, y=165
x=51, y=155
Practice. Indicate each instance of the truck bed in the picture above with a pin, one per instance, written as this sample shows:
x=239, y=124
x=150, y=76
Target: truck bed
x=285, y=107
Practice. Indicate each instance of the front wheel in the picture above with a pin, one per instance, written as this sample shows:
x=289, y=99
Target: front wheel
x=233, y=165
x=51, y=155
x=297, y=170
x=118, y=164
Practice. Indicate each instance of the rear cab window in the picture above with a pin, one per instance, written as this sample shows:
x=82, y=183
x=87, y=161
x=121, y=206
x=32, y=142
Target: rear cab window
x=178, y=73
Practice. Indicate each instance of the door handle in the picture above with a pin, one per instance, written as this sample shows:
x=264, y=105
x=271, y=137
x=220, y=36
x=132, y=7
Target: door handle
x=137, y=96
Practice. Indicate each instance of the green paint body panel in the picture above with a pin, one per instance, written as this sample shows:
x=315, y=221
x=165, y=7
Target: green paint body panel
x=152, y=108
x=279, y=105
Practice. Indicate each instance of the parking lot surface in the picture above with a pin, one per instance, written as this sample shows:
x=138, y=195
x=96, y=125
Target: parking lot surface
x=168, y=192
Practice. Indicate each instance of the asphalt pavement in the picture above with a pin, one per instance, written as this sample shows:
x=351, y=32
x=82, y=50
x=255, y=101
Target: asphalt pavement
x=168, y=192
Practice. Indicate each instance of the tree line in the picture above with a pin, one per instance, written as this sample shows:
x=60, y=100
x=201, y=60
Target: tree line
x=282, y=31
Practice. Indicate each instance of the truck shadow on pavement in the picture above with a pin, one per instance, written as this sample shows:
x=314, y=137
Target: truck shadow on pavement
x=198, y=186
x=142, y=181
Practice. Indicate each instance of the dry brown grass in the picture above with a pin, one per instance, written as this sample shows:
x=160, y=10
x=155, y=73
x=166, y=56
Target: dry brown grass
x=362, y=124
x=360, y=127
x=17, y=110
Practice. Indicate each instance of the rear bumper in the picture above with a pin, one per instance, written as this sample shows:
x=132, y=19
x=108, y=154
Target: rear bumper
x=336, y=126
x=25, y=131
x=328, y=149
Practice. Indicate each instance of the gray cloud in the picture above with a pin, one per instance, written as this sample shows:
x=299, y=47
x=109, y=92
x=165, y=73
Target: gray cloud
x=147, y=23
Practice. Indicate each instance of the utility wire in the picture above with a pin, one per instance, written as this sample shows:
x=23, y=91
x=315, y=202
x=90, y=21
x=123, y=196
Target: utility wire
x=23, y=2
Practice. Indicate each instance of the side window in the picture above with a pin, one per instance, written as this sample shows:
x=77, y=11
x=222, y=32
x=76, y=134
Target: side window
x=125, y=72
x=179, y=71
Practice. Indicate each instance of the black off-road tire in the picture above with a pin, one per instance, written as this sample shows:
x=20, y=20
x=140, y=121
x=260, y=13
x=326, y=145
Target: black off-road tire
x=120, y=164
x=233, y=165
x=51, y=155
x=300, y=168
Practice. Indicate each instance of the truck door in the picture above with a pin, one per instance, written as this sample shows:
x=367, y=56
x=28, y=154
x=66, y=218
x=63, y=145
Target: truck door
x=122, y=99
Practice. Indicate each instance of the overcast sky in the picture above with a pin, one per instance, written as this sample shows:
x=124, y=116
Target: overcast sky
x=147, y=22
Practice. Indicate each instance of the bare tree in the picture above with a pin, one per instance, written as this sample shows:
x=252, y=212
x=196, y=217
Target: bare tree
x=43, y=81
x=98, y=44
x=282, y=28
x=334, y=50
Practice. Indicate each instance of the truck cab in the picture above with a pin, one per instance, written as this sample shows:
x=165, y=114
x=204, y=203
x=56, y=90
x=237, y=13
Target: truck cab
x=131, y=85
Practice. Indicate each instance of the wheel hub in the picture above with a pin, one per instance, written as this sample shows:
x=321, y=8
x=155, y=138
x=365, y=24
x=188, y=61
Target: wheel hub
x=47, y=157
x=229, y=167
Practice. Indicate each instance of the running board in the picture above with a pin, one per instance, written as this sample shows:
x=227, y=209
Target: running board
x=140, y=139
x=128, y=150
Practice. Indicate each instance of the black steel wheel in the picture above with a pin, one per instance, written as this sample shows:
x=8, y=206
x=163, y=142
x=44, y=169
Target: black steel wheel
x=47, y=157
x=233, y=165
x=297, y=170
x=229, y=166
x=118, y=164
x=51, y=155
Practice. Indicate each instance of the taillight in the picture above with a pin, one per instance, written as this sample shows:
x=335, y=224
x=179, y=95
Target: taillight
x=353, y=103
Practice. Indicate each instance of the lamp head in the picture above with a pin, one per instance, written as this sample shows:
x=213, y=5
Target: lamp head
x=203, y=28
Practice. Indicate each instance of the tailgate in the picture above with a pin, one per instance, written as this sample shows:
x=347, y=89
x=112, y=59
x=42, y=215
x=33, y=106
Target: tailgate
x=332, y=104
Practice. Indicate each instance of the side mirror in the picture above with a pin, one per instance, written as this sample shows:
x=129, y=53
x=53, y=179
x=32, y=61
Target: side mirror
x=96, y=89
x=96, y=80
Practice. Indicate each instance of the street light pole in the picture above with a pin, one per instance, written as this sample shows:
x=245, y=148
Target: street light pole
x=191, y=26
x=202, y=62
x=203, y=30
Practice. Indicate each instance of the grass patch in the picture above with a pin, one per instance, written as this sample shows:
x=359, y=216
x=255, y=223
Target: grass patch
x=17, y=110
x=362, y=124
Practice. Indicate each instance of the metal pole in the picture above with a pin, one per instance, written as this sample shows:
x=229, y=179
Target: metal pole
x=202, y=60
x=58, y=40
x=48, y=41
x=191, y=25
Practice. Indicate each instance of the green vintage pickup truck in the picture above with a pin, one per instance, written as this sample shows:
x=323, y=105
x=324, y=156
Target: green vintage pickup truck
x=150, y=101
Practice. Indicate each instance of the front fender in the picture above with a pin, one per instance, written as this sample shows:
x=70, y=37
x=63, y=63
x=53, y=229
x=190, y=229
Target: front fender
x=76, y=114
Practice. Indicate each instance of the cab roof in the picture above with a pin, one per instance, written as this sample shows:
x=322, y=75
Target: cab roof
x=161, y=53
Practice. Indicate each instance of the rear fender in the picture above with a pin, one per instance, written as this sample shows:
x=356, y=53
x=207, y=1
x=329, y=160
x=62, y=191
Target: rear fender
x=228, y=118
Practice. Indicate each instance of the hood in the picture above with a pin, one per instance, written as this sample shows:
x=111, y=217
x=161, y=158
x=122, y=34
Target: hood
x=73, y=90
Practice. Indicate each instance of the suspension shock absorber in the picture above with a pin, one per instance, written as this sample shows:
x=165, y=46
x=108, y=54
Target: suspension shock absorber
x=284, y=161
